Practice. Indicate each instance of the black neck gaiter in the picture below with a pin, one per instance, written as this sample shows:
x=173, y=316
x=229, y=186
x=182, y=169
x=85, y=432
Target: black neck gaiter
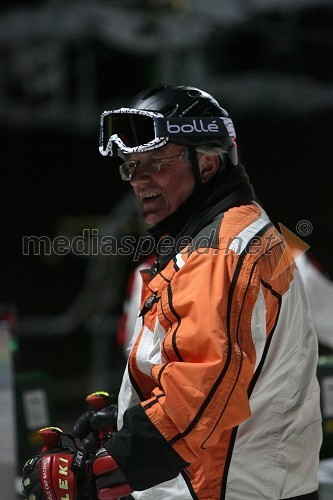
x=225, y=190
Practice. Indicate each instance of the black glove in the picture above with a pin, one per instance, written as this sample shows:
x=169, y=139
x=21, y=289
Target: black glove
x=94, y=425
x=58, y=472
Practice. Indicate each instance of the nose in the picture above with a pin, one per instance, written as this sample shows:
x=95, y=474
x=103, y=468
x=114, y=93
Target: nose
x=140, y=176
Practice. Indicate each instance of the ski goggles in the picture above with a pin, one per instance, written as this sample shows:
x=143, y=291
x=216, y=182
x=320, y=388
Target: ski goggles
x=137, y=130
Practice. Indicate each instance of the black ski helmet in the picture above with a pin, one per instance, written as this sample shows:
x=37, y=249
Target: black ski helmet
x=176, y=101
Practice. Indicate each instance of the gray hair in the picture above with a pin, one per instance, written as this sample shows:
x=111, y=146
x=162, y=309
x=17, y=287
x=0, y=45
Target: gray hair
x=218, y=150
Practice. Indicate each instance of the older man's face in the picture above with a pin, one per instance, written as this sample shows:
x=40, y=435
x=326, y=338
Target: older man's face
x=159, y=194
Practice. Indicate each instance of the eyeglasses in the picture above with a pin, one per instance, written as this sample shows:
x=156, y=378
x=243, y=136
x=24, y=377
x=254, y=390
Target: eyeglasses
x=152, y=164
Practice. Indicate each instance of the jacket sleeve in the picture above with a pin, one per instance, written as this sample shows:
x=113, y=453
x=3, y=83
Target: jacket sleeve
x=202, y=388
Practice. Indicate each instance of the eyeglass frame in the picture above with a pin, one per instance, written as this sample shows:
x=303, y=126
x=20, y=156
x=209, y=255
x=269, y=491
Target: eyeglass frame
x=156, y=169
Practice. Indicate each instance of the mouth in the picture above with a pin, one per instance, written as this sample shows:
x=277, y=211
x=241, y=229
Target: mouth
x=152, y=205
x=149, y=196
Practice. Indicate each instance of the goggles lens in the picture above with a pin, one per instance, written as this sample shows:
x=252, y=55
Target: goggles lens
x=132, y=130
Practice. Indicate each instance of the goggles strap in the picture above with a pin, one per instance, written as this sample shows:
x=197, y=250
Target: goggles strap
x=195, y=165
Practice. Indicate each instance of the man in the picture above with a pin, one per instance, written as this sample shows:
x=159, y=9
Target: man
x=220, y=397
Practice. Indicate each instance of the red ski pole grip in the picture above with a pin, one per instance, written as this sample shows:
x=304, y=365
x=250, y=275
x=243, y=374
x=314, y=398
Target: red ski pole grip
x=50, y=437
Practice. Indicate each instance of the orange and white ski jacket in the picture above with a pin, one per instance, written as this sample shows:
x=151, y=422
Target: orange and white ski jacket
x=223, y=370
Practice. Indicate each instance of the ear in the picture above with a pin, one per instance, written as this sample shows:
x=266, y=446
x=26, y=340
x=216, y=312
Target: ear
x=208, y=165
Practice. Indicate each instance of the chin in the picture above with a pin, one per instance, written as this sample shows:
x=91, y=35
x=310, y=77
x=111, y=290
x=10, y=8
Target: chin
x=152, y=219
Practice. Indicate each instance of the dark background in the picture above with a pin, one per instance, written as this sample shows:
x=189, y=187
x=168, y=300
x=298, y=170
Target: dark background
x=62, y=64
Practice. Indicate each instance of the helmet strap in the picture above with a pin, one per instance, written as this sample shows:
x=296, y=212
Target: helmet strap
x=195, y=165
